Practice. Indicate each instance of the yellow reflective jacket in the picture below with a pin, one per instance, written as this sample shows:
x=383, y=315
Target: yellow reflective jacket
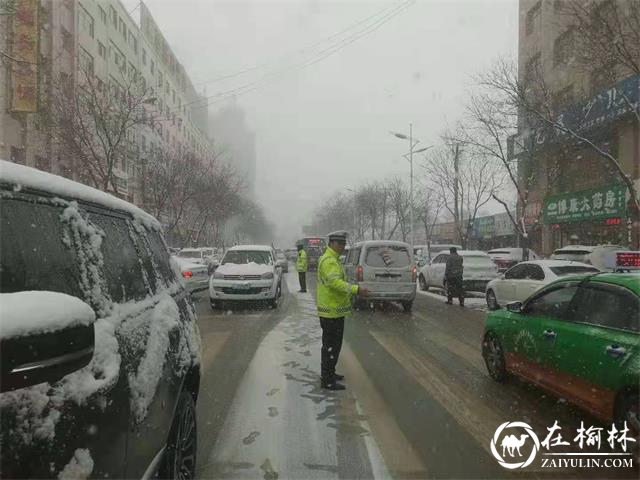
x=334, y=292
x=302, y=264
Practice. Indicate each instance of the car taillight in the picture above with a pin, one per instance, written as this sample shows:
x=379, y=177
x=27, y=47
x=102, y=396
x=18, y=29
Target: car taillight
x=359, y=273
x=414, y=273
x=187, y=274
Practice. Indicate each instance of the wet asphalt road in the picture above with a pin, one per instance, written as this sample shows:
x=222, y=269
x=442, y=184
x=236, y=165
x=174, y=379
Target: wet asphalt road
x=419, y=403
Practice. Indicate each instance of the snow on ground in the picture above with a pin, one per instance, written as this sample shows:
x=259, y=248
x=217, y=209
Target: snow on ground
x=477, y=302
x=79, y=467
x=32, y=312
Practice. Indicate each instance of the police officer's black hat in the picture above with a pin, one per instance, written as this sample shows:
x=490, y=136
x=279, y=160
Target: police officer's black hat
x=339, y=236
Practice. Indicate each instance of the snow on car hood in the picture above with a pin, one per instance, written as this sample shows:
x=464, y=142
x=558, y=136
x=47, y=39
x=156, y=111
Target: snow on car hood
x=244, y=269
x=32, y=312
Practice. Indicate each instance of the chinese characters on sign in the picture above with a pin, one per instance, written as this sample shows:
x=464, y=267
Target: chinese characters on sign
x=24, y=69
x=590, y=438
x=604, y=202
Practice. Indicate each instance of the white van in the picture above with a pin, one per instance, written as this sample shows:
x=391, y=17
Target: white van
x=386, y=268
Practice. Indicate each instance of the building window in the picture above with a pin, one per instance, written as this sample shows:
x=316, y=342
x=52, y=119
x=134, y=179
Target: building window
x=144, y=56
x=123, y=29
x=114, y=17
x=152, y=67
x=132, y=71
x=563, y=48
x=166, y=87
x=102, y=50
x=103, y=15
x=160, y=81
x=532, y=16
x=86, y=61
x=133, y=41
x=85, y=21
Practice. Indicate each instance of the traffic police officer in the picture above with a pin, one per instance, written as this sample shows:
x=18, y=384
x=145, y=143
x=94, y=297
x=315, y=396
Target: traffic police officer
x=302, y=265
x=334, y=303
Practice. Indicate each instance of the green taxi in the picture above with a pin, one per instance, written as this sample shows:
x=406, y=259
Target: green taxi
x=578, y=338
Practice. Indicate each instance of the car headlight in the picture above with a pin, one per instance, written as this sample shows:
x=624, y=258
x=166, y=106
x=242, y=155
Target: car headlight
x=267, y=276
x=217, y=275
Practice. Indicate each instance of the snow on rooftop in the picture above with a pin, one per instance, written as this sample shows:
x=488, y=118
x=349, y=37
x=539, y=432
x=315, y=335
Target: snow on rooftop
x=22, y=176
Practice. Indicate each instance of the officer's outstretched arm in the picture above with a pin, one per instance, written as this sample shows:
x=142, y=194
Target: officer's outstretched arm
x=333, y=279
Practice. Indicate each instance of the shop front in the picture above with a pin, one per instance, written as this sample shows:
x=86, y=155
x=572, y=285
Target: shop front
x=588, y=217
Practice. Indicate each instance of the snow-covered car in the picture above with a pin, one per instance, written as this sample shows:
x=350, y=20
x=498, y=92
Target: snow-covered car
x=601, y=256
x=100, y=357
x=478, y=271
x=247, y=273
x=522, y=280
x=202, y=255
x=505, y=258
x=194, y=275
x=281, y=261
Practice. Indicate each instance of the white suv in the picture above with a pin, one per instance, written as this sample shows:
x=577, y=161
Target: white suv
x=246, y=273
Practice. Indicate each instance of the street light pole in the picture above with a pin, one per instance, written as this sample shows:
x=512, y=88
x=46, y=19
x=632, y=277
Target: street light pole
x=411, y=181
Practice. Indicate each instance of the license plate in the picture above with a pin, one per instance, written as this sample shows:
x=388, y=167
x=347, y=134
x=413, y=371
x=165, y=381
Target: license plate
x=242, y=287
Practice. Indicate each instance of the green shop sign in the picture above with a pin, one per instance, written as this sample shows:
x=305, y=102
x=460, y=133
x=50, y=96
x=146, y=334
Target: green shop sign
x=593, y=204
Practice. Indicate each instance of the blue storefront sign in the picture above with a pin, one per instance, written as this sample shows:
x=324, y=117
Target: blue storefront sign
x=607, y=106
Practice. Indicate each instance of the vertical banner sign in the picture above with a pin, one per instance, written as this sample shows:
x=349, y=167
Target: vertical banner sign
x=24, y=67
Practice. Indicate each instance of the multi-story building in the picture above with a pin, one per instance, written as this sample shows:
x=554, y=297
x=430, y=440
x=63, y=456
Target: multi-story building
x=97, y=36
x=576, y=196
x=231, y=133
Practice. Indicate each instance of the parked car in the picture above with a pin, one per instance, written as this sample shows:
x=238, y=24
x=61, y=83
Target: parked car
x=577, y=338
x=291, y=254
x=100, y=357
x=281, y=261
x=194, y=275
x=505, y=258
x=435, y=248
x=384, y=267
x=478, y=271
x=524, y=279
x=201, y=255
x=246, y=273
x=601, y=256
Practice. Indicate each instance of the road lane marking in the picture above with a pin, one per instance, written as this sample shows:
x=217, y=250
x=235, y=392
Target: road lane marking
x=396, y=450
x=471, y=355
x=476, y=418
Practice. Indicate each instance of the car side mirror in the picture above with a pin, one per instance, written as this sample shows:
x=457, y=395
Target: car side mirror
x=44, y=336
x=514, y=307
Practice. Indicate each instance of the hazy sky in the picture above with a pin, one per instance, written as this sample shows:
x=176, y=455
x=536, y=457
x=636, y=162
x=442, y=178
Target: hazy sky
x=326, y=126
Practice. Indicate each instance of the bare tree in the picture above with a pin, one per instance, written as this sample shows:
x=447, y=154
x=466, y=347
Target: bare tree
x=95, y=123
x=428, y=206
x=539, y=117
x=465, y=182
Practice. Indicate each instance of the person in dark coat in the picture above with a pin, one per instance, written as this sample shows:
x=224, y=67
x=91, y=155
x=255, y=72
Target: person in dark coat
x=453, y=277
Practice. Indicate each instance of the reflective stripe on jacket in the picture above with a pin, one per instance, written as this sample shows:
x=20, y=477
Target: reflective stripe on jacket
x=334, y=292
x=302, y=264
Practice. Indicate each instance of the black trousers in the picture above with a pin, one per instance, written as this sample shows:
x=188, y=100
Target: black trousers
x=455, y=289
x=332, y=331
x=302, y=276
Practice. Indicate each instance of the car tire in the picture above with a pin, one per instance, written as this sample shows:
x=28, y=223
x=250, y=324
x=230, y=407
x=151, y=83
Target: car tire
x=407, y=306
x=423, y=283
x=493, y=355
x=627, y=410
x=180, y=456
x=492, y=301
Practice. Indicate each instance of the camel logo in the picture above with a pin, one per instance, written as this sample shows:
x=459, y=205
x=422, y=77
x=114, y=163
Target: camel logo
x=512, y=457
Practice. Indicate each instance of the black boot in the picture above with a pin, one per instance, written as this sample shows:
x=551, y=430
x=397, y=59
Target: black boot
x=332, y=385
x=337, y=376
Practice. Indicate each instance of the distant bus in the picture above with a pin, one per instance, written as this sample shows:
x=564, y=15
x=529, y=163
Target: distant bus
x=315, y=247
